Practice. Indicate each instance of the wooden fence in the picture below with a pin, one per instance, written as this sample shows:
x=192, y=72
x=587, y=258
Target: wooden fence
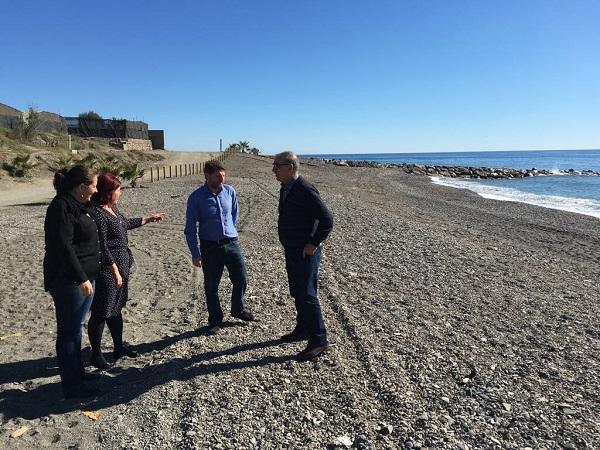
x=153, y=174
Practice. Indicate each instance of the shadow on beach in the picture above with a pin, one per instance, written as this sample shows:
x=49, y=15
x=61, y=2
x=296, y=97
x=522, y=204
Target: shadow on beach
x=124, y=385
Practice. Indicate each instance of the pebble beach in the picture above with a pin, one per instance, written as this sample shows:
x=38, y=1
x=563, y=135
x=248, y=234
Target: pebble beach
x=456, y=322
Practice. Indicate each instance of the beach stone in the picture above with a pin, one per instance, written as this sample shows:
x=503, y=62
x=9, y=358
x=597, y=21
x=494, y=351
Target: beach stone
x=342, y=441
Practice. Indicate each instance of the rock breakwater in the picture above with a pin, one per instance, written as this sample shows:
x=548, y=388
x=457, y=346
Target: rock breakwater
x=463, y=171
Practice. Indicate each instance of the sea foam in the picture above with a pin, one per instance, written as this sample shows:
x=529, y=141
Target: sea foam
x=577, y=205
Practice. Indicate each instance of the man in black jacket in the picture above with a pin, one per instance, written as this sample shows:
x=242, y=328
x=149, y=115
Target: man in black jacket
x=304, y=223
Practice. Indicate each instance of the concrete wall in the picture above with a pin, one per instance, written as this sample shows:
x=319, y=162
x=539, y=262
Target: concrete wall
x=137, y=144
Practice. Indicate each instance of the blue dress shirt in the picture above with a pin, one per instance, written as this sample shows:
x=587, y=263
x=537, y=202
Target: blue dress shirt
x=210, y=216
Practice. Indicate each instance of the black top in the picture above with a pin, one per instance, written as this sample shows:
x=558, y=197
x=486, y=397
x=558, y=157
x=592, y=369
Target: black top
x=113, y=233
x=303, y=217
x=109, y=299
x=72, y=242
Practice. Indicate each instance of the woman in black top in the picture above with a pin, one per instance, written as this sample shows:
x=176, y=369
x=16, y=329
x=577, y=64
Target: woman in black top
x=113, y=281
x=71, y=264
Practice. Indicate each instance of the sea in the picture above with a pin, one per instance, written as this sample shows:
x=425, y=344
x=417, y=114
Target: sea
x=575, y=193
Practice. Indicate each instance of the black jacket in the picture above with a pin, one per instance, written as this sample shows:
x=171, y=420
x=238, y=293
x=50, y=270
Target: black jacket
x=303, y=217
x=72, y=242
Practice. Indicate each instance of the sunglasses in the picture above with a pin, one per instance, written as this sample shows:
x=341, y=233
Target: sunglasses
x=281, y=164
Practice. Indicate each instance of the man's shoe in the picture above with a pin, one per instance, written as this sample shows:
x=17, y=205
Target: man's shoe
x=99, y=362
x=82, y=392
x=312, y=352
x=245, y=315
x=213, y=329
x=86, y=376
x=124, y=351
x=294, y=336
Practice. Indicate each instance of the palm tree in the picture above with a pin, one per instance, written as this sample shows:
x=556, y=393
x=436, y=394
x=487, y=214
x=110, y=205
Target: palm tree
x=243, y=146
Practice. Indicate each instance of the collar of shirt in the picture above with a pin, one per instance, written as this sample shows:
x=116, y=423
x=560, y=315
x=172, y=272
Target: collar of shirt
x=205, y=186
x=287, y=187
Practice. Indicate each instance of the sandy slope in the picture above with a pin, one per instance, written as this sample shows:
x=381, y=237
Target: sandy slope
x=26, y=191
x=456, y=322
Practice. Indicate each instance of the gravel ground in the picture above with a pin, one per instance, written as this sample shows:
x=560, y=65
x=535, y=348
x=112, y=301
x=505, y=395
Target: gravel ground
x=457, y=322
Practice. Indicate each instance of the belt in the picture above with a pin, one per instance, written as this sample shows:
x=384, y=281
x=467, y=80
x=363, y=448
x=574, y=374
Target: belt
x=226, y=240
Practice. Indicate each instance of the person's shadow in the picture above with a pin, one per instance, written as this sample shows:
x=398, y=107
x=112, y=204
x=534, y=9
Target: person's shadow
x=124, y=386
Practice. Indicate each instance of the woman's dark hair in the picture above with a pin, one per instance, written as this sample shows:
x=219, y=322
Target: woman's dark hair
x=107, y=184
x=65, y=180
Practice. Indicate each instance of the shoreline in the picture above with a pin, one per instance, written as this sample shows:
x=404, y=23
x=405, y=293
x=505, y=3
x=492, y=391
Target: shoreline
x=445, y=310
x=577, y=205
x=460, y=177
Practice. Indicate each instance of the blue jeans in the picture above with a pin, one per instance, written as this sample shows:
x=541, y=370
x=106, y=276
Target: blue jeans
x=71, y=311
x=303, y=272
x=215, y=257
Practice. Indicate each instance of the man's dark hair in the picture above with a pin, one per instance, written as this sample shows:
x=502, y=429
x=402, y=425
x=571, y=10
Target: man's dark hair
x=213, y=166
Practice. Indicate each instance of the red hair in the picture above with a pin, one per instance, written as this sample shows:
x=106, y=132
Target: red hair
x=107, y=184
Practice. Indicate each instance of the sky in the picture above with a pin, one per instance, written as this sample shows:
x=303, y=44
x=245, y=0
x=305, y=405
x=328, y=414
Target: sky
x=326, y=76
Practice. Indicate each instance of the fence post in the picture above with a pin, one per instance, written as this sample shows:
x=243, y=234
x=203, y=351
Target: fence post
x=164, y=173
x=151, y=175
x=180, y=171
x=170, y=172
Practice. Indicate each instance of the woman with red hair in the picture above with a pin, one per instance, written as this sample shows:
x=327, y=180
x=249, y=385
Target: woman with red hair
x=112, y=283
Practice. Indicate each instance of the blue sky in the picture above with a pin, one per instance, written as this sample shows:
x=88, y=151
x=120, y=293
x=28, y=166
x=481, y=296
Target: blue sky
x=316, y=76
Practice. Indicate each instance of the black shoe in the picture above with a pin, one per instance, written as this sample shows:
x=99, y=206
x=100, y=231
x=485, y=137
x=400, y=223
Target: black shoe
x=312, y=351
x=245, y=315
x=213, y=329
x=82, y=392
x=99, y=362
x=294, y=336
x=86, y=376
x=124, y=351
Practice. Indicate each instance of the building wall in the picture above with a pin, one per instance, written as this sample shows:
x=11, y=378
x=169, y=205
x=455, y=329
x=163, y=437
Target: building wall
x=158, y=138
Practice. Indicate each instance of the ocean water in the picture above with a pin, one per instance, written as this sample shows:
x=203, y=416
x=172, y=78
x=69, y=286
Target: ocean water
x=574, y=193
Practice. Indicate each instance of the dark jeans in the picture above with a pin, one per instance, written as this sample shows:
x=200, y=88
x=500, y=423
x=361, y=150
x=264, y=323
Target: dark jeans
x=303, y=275
x=71, y=311
x=215, y=257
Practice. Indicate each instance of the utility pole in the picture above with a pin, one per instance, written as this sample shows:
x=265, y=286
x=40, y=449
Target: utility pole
x=221, y=144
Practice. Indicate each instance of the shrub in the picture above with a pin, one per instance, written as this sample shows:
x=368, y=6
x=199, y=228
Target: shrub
x=20, y=166
x=63, y=162
x=30, y=123
x=90, y=161
x=110, y=164
x=132, y=173
x=90, y=115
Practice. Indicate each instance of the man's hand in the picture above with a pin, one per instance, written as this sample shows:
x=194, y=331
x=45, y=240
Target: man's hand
x=197, y=261
x=309, y=250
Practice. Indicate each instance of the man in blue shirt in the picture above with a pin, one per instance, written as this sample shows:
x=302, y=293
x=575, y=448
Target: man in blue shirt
x=304, y=223
x=211, y=216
